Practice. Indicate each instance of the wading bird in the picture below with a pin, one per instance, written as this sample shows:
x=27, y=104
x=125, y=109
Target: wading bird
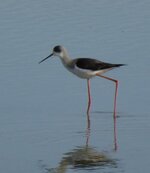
x=85, y=68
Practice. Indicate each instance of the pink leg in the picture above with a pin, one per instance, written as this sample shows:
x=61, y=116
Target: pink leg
x=116, y=91
x=89, y=97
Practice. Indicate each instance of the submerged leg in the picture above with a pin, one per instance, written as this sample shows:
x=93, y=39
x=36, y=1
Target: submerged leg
x=116, y=91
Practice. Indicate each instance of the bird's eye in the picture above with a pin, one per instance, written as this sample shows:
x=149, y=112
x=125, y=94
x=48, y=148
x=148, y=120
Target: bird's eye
x=57, y=49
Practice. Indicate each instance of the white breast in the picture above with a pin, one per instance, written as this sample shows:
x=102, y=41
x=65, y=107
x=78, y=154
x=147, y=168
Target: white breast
x=83, y=73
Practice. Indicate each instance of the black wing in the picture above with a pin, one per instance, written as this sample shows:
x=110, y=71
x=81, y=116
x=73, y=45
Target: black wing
x=93, y=64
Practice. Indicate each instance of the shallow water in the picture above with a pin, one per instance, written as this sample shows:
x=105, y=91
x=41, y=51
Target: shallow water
x=43, y=121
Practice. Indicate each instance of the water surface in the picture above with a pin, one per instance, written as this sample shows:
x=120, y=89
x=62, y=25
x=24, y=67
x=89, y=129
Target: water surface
x=43, y=126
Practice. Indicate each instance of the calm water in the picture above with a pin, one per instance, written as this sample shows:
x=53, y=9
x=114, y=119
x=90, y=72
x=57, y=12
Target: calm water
x=43, y=107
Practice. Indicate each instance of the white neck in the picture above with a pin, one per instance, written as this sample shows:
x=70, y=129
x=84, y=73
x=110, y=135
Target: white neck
x=64, y=57
x=65, y=60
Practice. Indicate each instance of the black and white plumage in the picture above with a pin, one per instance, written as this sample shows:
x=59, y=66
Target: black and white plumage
x=93, y=64
x=85, y=68
x=82, y=67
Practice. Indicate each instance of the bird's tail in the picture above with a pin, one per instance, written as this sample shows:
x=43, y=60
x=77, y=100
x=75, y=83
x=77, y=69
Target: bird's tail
x=119, y=65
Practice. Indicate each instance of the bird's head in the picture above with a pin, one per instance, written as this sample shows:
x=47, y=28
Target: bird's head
x=59, y=51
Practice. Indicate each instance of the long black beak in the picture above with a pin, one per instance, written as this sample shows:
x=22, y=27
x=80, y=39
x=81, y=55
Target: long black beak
x=46, y=58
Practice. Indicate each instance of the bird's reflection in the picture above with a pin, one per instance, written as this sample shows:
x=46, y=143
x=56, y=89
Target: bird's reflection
x=88, y=128
x=115, y=133
x=114, y=129
x=84, y=157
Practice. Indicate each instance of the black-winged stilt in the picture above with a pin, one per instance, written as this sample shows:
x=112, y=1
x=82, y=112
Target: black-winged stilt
x=85, y=68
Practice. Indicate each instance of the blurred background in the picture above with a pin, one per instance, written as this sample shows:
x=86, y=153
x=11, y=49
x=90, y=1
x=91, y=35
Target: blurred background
x=43, y=107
